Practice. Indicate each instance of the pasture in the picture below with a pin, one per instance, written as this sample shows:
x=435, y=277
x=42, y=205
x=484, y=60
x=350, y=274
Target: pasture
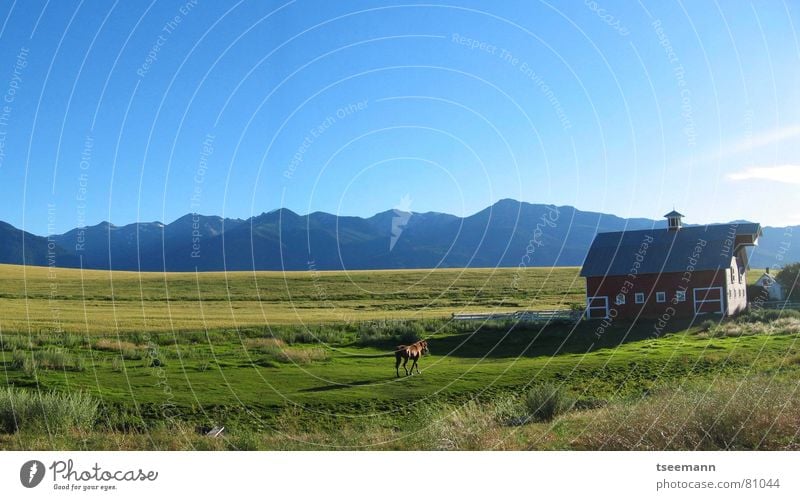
x=41, y=299
x=276, y=383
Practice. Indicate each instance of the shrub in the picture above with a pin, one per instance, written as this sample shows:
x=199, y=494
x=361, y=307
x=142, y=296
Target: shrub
x=57, y=359
x=12, y=343
x=545, y=402
x=708, y=325
x=47, y=359
x=788, y=278
x=395, y=332
x=132, y=354
x=18, y=359
x=21, y=409
x=72, y=340
x=117, y=364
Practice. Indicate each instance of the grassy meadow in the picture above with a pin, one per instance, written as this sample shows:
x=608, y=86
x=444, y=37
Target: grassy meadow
x=41, y=299
x=152, y=361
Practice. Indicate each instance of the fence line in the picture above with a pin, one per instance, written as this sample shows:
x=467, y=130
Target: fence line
x=780, y=304
x=524, y=316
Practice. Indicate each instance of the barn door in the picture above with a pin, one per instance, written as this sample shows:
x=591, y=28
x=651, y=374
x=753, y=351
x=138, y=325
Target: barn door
x=708, y=300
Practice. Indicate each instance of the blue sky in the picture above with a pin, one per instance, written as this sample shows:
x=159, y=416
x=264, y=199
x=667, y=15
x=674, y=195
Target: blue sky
x=132, y=111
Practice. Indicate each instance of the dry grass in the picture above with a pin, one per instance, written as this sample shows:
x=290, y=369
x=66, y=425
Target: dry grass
x=728, y=415
x=128, y=350
x=780, y=326
x=115, y=345
x=264, y=343
x=207, y=301
x=275, y=350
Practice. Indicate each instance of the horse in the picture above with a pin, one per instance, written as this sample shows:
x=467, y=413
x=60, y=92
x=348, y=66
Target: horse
x=412, y=352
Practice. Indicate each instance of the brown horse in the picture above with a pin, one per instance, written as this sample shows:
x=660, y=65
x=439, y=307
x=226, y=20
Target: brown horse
x=412, y=352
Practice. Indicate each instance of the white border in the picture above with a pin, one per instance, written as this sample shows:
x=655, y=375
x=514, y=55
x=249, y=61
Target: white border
x=720, y=300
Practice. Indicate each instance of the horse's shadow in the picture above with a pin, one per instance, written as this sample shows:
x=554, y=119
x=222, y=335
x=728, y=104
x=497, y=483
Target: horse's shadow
x=331, y=387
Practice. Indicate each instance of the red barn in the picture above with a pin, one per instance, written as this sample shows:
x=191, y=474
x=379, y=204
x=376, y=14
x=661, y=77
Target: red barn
x=678, y=271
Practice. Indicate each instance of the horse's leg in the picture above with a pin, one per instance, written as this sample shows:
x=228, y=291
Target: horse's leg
x=416, y=364
x=405, y=361
x=397, y=357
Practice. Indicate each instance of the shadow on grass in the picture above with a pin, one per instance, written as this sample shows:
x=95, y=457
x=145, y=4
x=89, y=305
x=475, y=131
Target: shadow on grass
x=549, y=340
x=331, y=387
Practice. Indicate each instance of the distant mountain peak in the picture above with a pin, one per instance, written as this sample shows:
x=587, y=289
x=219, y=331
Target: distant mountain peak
x=500, y=235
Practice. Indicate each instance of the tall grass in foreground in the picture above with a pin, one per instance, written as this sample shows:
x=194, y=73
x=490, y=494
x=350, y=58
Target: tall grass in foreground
x=23, y=410
x=752, y=414
x=545, y=402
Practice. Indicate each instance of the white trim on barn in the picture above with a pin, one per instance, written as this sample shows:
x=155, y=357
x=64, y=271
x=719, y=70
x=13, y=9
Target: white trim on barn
x=590, y=307
x=702, y=302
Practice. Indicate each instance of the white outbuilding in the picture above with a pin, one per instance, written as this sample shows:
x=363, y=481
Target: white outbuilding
x=774, y=289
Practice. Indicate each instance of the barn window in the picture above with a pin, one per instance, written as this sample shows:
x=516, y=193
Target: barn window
x=620, y=299
x=680, y=296
x=661, y=297
x=639, y=297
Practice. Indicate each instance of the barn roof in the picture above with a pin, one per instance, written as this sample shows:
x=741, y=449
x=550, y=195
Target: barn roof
x=663, y=251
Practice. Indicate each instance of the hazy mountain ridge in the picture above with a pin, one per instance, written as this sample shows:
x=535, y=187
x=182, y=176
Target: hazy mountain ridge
x=507, y=234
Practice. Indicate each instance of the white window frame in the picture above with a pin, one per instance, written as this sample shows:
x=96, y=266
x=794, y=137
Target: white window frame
x=720, y=300
x=661, y=297
x=639, y=297
x=590, y=307
x=680, y=296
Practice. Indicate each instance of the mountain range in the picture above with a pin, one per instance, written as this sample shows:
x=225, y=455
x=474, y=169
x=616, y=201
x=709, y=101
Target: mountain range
x=506, y=234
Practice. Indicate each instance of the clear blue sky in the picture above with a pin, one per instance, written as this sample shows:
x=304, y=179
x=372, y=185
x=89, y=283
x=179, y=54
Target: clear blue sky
x=617, y=107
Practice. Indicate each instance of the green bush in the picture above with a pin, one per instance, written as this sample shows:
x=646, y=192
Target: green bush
x=545, y=402
x=708, y=325
x=117, y=364
x=12, y=343
x=788, y=279
x=395, y=332
x=25, y=410
x=18, y=359
x=767, y=315
x=57, y=359
x=132, y=354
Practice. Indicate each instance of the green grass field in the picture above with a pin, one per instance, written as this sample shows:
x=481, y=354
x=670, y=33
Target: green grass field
x=165, y=357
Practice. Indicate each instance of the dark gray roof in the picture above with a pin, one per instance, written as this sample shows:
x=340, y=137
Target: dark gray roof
x=674, y=214
x=613, y=254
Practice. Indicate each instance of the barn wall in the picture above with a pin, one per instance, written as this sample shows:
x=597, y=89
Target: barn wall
x=650, y=284
x=736, y=286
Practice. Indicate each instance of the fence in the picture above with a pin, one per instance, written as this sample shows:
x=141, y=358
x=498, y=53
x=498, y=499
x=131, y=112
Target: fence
x=780, y=304
x=523, y=316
